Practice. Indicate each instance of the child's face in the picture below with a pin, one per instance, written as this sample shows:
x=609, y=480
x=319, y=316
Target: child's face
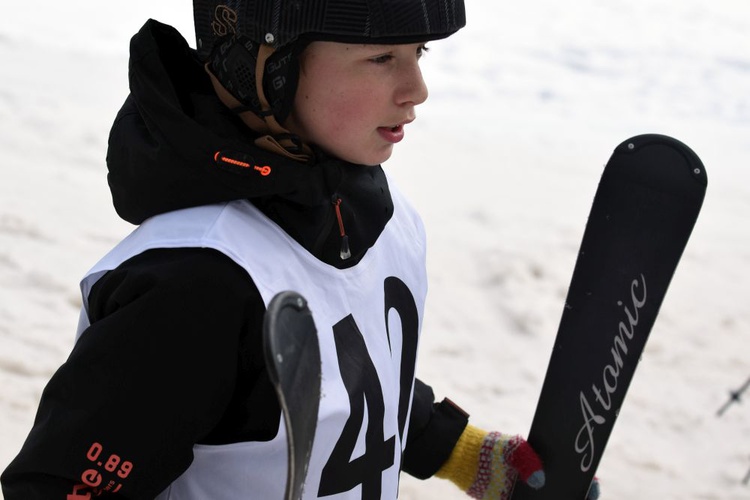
x=354, y=100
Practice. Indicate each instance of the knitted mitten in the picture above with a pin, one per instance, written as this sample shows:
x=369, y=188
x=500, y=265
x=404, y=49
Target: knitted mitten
x=486, y=464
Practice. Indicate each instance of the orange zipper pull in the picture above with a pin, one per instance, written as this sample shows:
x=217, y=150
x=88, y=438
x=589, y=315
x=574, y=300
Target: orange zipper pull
x=345, y=252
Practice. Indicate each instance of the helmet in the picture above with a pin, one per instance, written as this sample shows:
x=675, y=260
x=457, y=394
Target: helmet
x=252, y=45
x=280, y=22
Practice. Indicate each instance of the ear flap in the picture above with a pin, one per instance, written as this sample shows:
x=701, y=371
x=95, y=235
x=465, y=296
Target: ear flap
x=281, y=79
x=233, y=61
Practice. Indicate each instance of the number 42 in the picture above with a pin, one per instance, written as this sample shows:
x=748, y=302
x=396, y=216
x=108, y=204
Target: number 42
x=342, y=473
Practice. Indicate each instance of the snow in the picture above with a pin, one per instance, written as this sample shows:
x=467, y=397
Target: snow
x=527, y=103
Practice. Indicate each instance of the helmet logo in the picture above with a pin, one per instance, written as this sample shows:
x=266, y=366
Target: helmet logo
x=225, y=21
x=273, y=67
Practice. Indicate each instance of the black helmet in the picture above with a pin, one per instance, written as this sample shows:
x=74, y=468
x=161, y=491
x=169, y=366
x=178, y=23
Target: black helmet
x=280, y=22
x=243, y=40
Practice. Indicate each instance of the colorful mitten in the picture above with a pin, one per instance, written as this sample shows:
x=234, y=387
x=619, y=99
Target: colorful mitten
x=486, y=464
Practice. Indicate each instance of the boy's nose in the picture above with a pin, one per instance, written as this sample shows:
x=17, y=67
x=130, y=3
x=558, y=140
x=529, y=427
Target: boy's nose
x=413, y=88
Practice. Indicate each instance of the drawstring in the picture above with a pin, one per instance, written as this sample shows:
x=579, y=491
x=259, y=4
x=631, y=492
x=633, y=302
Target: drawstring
x=345, y=252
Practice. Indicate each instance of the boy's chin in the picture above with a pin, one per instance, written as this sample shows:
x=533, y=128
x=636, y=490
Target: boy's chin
x=372, y=160
x=371, y=157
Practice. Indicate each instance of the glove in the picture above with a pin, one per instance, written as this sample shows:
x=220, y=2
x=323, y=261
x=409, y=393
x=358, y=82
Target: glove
x=486, y=465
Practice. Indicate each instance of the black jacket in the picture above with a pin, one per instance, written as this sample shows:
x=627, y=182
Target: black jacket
x=173, y=355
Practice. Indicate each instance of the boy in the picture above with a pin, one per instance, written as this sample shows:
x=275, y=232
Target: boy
x=252, y=167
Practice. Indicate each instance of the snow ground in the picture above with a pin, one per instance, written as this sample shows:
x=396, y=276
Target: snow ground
x=526, y=105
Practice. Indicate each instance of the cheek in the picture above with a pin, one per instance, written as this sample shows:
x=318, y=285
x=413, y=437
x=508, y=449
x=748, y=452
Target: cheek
x=340, y=114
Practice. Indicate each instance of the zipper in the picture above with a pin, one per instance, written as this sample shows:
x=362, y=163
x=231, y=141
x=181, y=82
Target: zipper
x=345, y=251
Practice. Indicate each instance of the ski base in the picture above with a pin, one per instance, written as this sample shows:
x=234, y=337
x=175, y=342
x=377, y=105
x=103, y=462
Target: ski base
x=644, y=210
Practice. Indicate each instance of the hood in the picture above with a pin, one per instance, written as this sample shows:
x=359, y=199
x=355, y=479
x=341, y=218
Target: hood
x=174, y=145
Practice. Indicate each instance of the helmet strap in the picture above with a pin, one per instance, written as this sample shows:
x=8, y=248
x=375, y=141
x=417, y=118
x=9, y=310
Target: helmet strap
x=260, y=118
x=266, y=112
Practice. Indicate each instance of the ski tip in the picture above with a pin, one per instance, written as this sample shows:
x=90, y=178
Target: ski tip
x=636, y=144
x=287, y=299
x=289, y=334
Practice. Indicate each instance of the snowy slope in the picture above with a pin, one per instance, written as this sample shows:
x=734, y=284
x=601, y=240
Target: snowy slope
x=526, y=106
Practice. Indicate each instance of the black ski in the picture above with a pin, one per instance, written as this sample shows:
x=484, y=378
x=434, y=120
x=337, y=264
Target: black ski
x=644, y=210
x=293, y=360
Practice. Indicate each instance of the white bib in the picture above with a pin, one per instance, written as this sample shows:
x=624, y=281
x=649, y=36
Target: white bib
x=368, y=319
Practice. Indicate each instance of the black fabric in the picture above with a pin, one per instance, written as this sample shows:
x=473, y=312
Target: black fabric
x=434, y=430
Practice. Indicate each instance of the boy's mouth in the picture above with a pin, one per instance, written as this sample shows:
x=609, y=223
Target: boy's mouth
x=392, y=134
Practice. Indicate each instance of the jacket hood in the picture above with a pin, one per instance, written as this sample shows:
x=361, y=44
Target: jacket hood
x=175, y=145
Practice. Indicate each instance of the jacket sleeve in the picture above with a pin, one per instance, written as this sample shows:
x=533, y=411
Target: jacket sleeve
x=150, y=377
x=434, y=429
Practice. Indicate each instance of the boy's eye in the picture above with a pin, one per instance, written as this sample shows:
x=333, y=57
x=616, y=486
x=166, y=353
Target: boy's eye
x=385, y=58
x=382, y=59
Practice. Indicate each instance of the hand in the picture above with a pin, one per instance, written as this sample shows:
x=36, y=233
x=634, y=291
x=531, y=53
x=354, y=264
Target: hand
x=486, y=465
x=503, y=460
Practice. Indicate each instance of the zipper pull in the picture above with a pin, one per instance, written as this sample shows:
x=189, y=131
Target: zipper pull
x=345, y=252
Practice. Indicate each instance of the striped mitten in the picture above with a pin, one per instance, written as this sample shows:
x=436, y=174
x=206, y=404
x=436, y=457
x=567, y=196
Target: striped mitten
x=486, y=464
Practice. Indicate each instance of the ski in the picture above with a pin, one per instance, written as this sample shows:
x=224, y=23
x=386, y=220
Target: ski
x=292, y=357
x=643, y=212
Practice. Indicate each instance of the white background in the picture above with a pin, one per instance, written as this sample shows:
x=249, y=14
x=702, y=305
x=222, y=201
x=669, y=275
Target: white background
x=527, y=103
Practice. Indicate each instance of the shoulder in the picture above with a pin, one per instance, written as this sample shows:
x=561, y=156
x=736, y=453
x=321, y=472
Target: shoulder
x=176, y=279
